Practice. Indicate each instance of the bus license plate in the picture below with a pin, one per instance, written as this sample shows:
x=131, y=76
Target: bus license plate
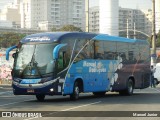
x=30, y=91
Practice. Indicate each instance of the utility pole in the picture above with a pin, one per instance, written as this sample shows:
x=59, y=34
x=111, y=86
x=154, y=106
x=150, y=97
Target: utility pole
x=87, y=14
x=127, y=28
x=134, y=30
x=153, y=50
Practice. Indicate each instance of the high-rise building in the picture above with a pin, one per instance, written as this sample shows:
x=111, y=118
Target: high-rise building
x=44, y=14
x=94, y=19
x=157, y=10
x=148, y=21
x=108, y=17
x=139, y=20
x=17, y=2
x=134, y=19
x=32, y=12
x=11, y=14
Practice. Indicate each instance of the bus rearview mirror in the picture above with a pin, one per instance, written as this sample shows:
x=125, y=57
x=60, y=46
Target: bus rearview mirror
x=9, y=50
x=56, y=50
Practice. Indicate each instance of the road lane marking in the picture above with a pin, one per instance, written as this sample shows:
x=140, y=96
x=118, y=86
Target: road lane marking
x=81, y=106
x=156, y=89
x=66, y=110
x=1, y=93
x=15, y=102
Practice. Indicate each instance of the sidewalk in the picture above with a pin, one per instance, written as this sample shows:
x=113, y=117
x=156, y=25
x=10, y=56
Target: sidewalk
x=5, y=82
x=5, y=86
x=158, y=86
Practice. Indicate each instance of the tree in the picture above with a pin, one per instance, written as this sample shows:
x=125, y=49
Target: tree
x=54, y=29
x=68, y=28
x=8, y=39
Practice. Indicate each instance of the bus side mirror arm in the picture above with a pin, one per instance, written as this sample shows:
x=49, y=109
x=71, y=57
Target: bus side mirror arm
x=56, y=51
x=8, y=51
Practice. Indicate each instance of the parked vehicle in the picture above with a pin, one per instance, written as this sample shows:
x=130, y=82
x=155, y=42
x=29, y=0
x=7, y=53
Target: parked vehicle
x=157, y=73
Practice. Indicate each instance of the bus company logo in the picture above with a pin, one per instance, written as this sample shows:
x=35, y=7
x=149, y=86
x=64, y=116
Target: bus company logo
x=21, y=114
x=94, y=66
x=6, y=114
x=40, y=39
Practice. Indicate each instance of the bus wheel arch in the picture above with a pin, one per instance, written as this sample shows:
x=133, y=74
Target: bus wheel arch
x=77, y=88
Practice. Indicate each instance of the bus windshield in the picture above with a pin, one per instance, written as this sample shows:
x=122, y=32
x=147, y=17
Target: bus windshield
x=34, y=60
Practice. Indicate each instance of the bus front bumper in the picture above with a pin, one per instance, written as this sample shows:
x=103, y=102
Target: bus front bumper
x=34, y=89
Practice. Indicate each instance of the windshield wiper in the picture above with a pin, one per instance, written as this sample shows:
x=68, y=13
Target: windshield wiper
x=34, y=63
x=31, y=65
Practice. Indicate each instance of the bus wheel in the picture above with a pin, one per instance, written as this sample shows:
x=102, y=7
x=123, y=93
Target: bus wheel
x=75, y=94
x=129, y=89
x=40, y=97
x=99, y=93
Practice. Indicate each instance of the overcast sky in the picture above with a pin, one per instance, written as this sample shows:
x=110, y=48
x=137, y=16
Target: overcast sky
x=4, y=2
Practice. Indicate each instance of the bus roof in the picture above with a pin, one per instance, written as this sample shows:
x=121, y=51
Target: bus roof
x=55, y=36
x=118, y=39
x=58, y=36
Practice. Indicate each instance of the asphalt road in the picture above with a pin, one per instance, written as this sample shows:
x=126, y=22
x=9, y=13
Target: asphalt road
x=112, y=106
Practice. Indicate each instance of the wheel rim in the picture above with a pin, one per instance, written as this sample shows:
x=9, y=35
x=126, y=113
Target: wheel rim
x=130, y=87
x=77, y=91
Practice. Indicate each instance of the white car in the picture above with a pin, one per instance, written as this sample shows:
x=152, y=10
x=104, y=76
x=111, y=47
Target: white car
x=157, y=73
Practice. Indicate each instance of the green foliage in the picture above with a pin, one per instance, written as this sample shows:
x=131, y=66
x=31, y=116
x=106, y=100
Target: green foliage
x=8, y=39
x=54, y=29
x=67, y=28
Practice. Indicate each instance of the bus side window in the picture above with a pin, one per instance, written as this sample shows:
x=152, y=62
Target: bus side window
x=63, y=60
x=87, y=50
x=123, y=56
x=60, y=61
x=130, y=55
x=99, y=49
x=110, y=50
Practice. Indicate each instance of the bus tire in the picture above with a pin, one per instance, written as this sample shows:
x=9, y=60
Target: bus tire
x=99, y=93
x=76, y=91
x=129, y=88
x=40, y=97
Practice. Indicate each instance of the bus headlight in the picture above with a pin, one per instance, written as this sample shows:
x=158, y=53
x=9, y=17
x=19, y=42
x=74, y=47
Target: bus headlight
x=51, y=90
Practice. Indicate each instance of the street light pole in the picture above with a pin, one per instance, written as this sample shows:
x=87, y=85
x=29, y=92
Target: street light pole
x=127, y=28
x=153, y=50
x=134, y=30
x=87, y=15
x=137, y=31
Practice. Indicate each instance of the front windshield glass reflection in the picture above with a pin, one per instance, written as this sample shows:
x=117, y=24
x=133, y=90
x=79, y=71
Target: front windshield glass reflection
x=35, y=59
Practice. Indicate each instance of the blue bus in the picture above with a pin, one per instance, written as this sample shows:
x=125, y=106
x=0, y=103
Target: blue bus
x=69, y=63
